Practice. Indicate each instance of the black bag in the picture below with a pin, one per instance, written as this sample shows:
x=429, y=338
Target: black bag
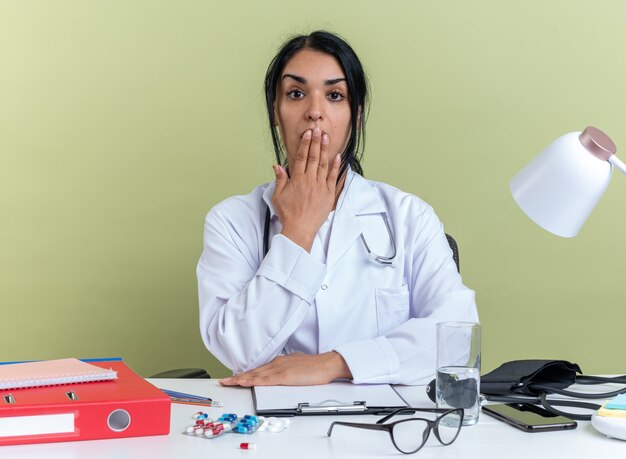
x=529, y=377
x=530, y=381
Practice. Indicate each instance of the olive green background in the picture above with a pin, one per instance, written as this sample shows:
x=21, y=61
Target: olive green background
x=123, y=122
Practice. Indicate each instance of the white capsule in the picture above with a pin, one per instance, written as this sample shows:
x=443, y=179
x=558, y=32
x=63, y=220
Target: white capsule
x=208, y=433
x=190, y=429
x=199, y=431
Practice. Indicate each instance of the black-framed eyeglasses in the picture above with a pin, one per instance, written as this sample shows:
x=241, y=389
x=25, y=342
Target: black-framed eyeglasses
x=409, y=435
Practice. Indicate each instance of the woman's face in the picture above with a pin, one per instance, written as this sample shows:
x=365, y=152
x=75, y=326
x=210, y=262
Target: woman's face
x=312, y=92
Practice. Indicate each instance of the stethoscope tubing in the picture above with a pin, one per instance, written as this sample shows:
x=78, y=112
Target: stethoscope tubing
x=383, y=260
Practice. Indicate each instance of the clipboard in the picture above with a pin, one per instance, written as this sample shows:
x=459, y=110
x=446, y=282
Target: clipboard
x=339, y=397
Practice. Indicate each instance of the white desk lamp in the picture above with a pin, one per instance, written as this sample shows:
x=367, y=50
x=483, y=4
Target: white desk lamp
x=558, y=190
x=560, y=187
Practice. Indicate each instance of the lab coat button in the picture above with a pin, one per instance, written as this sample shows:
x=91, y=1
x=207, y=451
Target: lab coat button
x=324, y=286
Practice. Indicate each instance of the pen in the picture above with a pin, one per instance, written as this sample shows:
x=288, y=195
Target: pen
x=186, y=401
x=173, y=393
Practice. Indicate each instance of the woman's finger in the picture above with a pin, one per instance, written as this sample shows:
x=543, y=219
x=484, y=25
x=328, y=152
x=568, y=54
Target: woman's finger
x=281, y=178
x=261, y=376
x=302, y=155
x=314, y=153
x=333, y=174
x=322, y=166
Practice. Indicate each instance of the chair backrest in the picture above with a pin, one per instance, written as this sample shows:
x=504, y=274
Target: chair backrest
x=455, y=251
x=186, y=373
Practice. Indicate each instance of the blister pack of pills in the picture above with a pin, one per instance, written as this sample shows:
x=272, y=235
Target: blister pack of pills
x=208, y=428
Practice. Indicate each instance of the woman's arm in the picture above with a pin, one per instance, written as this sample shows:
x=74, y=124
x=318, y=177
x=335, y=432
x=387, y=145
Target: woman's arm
x=406, y=354
x=247, y=310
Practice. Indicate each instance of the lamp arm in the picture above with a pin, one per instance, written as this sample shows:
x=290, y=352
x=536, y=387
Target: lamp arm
x=618, y=163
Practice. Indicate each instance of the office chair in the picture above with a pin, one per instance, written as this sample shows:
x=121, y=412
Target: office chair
x=200, y=373
x=455, y=251
x=186, y=373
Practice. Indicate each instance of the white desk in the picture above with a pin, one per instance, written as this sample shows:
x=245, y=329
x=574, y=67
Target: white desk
x=306, y=437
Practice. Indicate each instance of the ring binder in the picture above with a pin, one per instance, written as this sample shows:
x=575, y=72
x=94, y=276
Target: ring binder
x=128, y=406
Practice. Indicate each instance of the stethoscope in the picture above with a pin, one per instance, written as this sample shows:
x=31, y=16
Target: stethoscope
x=383, y=260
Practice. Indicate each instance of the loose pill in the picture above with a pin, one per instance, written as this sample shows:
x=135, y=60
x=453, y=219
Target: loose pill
x=247, y=446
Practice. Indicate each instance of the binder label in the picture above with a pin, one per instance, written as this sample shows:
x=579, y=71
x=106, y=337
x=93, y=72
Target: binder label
x=17, y=426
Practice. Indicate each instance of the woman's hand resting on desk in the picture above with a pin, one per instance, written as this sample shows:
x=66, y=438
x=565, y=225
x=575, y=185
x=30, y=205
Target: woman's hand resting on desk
x=294, y=370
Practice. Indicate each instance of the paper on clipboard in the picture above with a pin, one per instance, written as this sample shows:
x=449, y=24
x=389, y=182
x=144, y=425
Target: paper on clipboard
x=339, y=397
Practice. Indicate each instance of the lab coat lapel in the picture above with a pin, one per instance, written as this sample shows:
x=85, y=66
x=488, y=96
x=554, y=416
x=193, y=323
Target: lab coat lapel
x=346, y=228
x=267, y=197
x=358, y=198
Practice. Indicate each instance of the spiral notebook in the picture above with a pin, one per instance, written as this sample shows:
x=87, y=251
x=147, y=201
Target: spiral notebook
x=51, y=373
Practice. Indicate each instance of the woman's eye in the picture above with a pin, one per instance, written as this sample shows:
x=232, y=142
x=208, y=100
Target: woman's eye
x=335, y=96
x=295, y=94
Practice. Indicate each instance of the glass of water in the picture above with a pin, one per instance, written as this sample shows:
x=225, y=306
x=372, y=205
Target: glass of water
x=458, y=368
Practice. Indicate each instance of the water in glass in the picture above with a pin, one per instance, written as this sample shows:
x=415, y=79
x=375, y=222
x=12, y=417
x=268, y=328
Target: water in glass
x=458, y=387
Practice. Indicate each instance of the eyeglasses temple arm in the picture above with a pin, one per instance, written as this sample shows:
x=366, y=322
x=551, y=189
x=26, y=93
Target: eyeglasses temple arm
x=357, y=425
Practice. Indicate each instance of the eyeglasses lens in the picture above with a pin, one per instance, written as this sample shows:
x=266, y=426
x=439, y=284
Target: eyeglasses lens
x=449, y=426
x=410, y=434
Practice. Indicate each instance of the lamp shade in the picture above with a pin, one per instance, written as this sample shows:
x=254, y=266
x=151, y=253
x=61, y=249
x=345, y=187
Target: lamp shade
x=560, y=187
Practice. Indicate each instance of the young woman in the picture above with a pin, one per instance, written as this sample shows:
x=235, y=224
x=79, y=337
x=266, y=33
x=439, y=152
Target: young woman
x=321, y=274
